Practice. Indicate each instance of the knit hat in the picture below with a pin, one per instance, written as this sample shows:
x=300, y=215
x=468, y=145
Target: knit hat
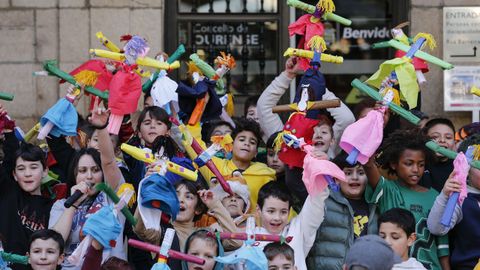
x=371, y=252
x=237, y=188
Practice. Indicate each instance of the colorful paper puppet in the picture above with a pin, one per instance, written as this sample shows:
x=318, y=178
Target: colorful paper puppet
x=420, y=65
x=161, y=164
x=126, y=86
x=362, y=138
x=407, y=115
x=62, y=118
x=402, y=71
x=317, y=173
x=311, y=88
x=104, y=227
x=157, y=202
x=189, y=139
x=310, y=25
x=402, y=46
x=207, y=104
x=114, y=48
x=251, y=256
x=460, y=168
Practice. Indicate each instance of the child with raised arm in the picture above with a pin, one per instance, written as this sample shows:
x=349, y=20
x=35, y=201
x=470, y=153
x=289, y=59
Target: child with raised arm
x=23, y=208
x=348, y=216
x=463, y=229
x=274, y=202
x=404, y=155
x=89, y=167
x=271, y=122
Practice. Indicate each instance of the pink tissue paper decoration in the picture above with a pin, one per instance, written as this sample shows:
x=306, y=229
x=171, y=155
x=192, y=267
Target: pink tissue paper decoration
x=461, y=168
x=365, y=135
x=314, y=171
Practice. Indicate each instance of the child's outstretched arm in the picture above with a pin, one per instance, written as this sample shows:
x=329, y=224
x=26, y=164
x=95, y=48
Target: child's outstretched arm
x=373, y=174
x=435, y=215
x=270, y=122
x=111, y=173
x=304, y=227
x=343, y=118
x=216, y=208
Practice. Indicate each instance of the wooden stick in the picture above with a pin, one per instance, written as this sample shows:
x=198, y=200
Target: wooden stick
x=322, y=104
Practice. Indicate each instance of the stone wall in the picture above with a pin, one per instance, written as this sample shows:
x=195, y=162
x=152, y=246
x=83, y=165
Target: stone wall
x=36, y=30
x=427, y=16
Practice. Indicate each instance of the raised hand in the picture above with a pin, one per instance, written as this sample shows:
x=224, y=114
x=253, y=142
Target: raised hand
x=451, y=185
x=207, y=197
x=100, y=115
x=292, y=67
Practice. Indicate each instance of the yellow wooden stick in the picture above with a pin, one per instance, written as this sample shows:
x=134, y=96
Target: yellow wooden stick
x=324, y=57
x=143, y=61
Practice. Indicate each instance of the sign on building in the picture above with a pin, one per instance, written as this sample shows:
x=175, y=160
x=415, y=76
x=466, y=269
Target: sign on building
x=461, y=41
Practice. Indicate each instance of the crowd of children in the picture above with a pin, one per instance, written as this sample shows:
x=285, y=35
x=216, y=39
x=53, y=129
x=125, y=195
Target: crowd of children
x=85, y=201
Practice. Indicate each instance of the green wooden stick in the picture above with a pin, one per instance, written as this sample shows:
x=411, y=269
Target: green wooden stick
x=6, y=96
x=392, y=106
x=449, y=153
x=113, y=196
x=311, y=9
x=420, y=54
x=52, y=67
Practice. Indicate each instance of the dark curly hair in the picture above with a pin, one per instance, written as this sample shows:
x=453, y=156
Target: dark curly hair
x=399, y=141
x=243, y=124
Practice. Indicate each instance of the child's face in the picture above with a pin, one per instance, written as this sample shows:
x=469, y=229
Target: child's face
x=274, y=162
x=474, y=178
x=88, y=171
x=280, y=262
x=245, y=146
x=252, y=113
x=44, y=255
x=356, y=181
x=188, y=202
x=206, y=250
x=29, y=174
x=443, y=135
x=396, y=238
x=234, y=205
x=410, y=166
x=274, y=215
x=322, y=137
x=151, y=128
x=221, y=130
x=93, y=141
